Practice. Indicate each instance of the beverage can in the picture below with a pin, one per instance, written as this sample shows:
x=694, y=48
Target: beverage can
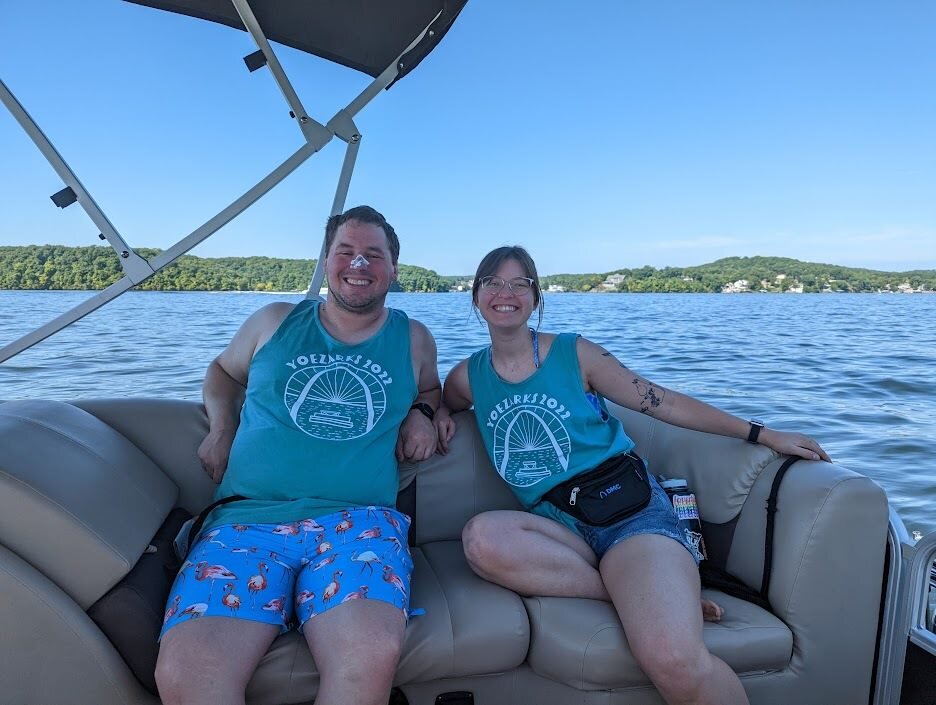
x=687, y=513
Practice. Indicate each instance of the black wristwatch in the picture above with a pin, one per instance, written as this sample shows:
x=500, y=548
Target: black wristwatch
x=423, y=408
x=754, y=433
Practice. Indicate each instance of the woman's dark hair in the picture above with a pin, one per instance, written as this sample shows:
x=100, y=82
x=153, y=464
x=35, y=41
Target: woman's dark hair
x=363, y=214
x=492, y=262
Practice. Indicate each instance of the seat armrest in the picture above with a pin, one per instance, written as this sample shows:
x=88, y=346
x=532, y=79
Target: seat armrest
x=828, y=559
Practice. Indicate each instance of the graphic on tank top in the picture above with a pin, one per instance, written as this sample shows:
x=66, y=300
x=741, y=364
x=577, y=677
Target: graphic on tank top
x=336, y=397
x=530, y=441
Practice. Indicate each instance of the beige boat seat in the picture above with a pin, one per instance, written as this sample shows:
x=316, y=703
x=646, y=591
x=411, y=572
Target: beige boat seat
x=83, y=487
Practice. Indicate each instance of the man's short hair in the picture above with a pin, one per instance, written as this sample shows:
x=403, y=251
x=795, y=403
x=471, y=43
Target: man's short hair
x=363, y=214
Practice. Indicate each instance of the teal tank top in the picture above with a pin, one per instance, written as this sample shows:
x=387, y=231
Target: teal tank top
x=319, y=425
x=542, y=431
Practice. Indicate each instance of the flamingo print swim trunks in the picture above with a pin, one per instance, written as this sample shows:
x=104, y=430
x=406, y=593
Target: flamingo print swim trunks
x=285, y=574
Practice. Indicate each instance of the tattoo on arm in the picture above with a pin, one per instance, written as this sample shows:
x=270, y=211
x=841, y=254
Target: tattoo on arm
x=650, y=396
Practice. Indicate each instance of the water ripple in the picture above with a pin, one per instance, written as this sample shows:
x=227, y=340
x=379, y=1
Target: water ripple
x=856, y=372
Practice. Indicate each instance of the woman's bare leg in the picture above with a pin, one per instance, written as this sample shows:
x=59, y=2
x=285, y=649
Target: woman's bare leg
x=654, y=585
x=532, y=555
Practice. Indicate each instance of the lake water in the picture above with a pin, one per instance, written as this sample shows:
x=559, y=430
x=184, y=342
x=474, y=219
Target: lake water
x=857, y=372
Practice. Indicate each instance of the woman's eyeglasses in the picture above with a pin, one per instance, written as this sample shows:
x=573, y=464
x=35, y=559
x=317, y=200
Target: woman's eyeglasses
x=518, y=285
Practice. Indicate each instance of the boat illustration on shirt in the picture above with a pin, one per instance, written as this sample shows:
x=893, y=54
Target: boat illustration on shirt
x=331, y=418
x=531, y=469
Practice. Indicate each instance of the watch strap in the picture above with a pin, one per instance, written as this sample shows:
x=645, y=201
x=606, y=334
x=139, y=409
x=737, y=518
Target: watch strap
x=754, y=433
x=423, y=408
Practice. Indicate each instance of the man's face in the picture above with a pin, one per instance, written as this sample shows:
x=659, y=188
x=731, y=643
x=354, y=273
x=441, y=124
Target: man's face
x=359, y=267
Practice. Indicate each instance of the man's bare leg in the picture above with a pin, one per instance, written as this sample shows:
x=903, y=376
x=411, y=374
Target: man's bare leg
x=210, y=660
x=356, y=647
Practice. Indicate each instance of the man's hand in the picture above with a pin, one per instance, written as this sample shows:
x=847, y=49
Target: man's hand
x=445, y=427
x=214, y=452
x=418, y=438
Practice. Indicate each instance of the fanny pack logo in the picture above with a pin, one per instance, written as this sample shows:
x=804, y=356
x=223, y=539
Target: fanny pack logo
x=608, y=491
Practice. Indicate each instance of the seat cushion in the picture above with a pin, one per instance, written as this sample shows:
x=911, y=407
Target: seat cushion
x=470, y=627
x=131, y=613
x=581, y=643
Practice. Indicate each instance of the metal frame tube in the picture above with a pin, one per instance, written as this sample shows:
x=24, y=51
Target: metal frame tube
x=73, y=314
x=314, y=132
x=163, y=259
x=136, y=269
x=338, y=204
x=134, y=266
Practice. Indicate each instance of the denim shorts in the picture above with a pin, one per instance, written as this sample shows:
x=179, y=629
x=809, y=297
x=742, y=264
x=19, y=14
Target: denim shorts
x=658, y=517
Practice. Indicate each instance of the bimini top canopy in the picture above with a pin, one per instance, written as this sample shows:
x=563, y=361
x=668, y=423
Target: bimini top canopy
x=385, y=39
x=365, y=35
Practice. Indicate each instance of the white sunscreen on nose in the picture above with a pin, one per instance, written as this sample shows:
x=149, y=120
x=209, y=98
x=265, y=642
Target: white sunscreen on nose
x=359, y=262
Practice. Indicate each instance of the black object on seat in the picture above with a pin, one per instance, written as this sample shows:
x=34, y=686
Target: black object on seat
x=131, y=613
x=716, y=577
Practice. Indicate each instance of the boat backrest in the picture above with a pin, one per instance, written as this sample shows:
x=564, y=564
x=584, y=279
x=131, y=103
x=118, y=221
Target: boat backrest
x=77, y=499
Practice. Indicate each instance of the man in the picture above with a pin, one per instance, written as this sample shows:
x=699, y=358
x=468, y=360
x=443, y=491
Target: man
x=333, y=391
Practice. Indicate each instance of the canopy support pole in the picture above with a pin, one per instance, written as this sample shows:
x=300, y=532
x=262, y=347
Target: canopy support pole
x=163, y=259
x=342, y=126
x=312, y=130
x=136, y=269
x=134, y=266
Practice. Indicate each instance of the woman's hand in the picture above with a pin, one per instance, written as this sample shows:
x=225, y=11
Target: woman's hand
x=445, y=427
x=792, y=444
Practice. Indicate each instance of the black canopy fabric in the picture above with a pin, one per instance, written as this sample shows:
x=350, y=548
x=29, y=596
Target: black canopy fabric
x=365, y=35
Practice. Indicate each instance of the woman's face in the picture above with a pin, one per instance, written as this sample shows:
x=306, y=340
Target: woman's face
x=507, y=297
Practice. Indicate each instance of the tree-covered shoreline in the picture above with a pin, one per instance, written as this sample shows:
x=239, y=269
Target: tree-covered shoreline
x=57, y=267
x=748, y=274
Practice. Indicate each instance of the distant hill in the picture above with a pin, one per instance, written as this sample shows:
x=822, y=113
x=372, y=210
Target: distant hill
x=741, y=274
x=96, y=267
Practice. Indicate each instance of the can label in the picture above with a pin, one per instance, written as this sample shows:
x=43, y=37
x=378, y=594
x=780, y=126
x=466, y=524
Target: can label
x=687, y=514
x=685, y=506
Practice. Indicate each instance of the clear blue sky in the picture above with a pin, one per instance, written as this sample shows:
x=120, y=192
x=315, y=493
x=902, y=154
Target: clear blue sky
x=600, y=135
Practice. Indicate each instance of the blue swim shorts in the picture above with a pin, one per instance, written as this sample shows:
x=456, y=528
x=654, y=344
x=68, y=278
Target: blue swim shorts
x=285, y=574
x=658, y=517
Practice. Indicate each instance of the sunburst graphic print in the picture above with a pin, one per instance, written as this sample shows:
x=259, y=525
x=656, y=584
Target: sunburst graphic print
x=530, y=444
x=337, y=401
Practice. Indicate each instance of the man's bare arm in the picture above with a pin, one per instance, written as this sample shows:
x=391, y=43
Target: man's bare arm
x=226, y=383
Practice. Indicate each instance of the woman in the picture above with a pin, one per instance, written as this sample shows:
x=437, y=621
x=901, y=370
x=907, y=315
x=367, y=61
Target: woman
x=554, y=386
